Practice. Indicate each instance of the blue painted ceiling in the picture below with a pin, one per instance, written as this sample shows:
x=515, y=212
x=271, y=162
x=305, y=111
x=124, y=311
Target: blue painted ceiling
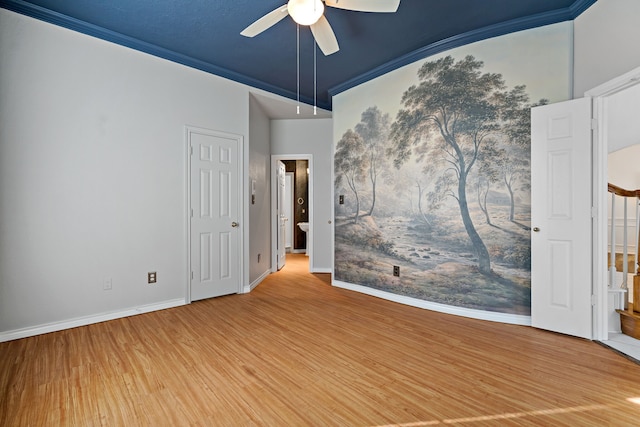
x=205, y=34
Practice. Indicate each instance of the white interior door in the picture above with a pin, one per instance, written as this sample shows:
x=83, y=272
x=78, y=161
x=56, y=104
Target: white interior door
x=282, y=218
x=215, y=211
x=561, y=285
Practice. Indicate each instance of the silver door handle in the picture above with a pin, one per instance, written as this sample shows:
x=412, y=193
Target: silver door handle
x=536, y=229
x=234, y=224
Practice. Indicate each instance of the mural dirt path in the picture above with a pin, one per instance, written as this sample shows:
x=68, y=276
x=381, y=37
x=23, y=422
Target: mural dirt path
x=434, y=267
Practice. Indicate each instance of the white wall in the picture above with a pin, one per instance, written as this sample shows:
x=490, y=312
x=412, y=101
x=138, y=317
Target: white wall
x=624, y=171
x=312, y=136
x=624, y=167
x=93, y=171
x=260, y=212
x=623, y=126
x=606, y=43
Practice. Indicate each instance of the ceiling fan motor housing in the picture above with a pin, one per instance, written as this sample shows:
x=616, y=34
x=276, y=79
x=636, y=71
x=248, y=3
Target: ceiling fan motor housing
x=305, y=12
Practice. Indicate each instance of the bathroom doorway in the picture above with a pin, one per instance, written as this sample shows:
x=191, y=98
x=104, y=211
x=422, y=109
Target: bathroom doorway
x=297, y=206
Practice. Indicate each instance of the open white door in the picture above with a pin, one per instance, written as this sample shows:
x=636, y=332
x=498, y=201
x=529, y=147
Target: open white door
x=282, y=218
x=561, y=285
x=215, y=235
x=288, y=211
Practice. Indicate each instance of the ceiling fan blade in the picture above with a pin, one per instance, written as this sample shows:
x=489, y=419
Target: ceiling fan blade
x=265, y=22
x=324, y=36
x=388, y=6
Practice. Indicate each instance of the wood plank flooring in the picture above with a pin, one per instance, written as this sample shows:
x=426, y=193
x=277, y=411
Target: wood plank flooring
x=298, y=352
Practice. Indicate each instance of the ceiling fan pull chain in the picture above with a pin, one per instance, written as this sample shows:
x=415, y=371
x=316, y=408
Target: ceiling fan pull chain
x=315, y=77
x=298, y=64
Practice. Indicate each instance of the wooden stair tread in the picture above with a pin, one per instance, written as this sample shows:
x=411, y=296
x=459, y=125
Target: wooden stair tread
x=629, y=313
x=630, y=322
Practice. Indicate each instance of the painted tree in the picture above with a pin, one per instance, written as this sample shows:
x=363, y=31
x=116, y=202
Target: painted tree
x=351, y=162
x=487, y=174
x=513, y=162
x=374, y=130
x=450, y=114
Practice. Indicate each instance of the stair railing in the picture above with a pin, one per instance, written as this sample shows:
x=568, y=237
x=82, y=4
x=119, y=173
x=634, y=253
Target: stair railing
x=634, y=196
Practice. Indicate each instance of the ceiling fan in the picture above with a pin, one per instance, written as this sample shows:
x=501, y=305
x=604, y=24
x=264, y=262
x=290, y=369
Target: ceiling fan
x=311, y=13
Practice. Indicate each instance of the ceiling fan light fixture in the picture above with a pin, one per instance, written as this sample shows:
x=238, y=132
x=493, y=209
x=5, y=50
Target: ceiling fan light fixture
x=305, y=12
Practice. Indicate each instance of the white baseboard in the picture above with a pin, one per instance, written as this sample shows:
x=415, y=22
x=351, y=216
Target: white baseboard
x=321, y=270
x=514, y=319
x=256, y=282
x=87, y=320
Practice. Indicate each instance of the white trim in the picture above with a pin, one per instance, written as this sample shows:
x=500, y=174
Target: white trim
x=290, y=225
x=245, y=206
x=333, y=205
x=600, y=144
x=88, y=320
x=275, y=158
x=514, y=319
x=616, y=85
x=256, y=282
x=321, y=270
x=187, y=218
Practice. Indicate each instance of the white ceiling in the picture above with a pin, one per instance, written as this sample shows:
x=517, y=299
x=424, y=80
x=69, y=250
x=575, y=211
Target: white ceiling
x=281, y=109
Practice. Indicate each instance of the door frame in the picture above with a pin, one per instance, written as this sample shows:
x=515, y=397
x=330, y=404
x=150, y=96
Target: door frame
x=242, y=206
x=290, y=229
x=280, y=238
x=599, y=96
x=275, y=158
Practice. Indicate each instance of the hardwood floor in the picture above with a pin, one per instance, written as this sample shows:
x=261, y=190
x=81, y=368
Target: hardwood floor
x=298, y=352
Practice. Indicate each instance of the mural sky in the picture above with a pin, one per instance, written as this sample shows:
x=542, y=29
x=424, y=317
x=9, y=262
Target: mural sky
x=539, y=58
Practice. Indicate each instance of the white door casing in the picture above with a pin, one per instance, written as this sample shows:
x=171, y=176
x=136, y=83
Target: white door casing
x=601, y=98
x=561, y=279
x=282, y=219
x=215, y=248
x=288, y=210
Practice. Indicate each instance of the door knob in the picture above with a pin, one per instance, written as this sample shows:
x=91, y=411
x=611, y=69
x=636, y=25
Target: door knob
x=234, y=224
x=536, y=229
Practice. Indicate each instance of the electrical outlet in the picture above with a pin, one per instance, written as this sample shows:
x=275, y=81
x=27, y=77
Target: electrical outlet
x=396, y=270
x=151, y=277
x=107, y=284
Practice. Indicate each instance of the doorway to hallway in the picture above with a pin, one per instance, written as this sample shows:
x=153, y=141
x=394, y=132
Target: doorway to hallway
x=292, y=208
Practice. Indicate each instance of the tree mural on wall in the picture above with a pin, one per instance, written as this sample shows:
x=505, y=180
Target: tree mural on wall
x=450, y=115
x=442, y=189
x=437, y=156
